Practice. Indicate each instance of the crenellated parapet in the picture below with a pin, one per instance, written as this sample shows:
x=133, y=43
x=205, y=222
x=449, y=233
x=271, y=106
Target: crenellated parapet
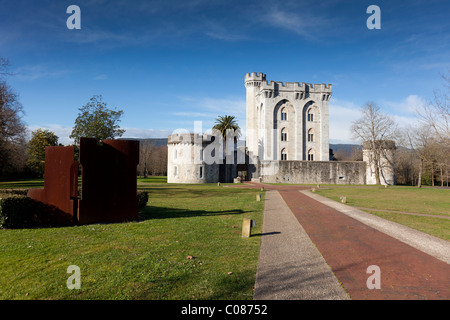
x=254, y=79
x=189, y=138
x=270, y=89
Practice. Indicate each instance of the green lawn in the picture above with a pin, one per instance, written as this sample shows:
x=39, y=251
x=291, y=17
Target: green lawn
x=22, y=184
x=403, y=199
x=145, y=259
x=152, y=179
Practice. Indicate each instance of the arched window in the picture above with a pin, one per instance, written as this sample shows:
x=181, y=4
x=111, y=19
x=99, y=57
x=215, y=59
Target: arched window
x=283, y=114
x=310, y=155
x=311, y=135
x=175, y=171
x=310, y=115
x=283, y=134
x=175, y=154
x=283, y=154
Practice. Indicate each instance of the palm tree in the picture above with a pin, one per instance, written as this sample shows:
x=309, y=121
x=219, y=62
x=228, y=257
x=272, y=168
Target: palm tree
x=225, y=123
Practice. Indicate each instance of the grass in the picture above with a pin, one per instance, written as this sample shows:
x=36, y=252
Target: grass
x=402, y=199
x=149, y=259
x=435, y=226
x=145, y=259
x=152, y=179
x=22, y=184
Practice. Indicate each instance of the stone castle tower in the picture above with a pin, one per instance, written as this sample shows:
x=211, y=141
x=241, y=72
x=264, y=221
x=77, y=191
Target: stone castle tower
x=287, y=121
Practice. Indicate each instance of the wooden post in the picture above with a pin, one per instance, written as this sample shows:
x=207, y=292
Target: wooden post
x=246, y=228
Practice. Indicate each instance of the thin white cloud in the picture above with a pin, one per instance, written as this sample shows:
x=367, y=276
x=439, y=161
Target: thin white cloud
x=208, y=109
x=101, y=77
x=222, y=31
x=136, y=133
x=342, y=114
x=409, y=105
x=193, y=114
x=297, y=21
x=35, y=72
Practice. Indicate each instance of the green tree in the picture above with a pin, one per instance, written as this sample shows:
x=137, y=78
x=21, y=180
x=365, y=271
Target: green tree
x=228, y=128
x=36, y=149
x=96, y=120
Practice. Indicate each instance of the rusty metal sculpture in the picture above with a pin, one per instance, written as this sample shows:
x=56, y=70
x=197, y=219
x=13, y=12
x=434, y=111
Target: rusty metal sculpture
x=108, y=181
x=59, y=181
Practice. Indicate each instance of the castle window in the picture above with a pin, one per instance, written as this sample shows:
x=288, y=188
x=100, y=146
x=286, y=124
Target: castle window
x=310, y=115
x=175, y=171
x=311, y=135
x=283, y=114
x=201, y=155
x=201, y=173
x=310, y=155
x=283, y=154
x=283, y=134
x=175, y=154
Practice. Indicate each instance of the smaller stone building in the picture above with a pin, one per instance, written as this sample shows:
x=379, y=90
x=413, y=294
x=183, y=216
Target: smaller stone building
x=186, y=164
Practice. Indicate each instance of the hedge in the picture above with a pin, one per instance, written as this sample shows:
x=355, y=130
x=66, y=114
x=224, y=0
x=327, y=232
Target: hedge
x=23, y=212
x=19, y=211
x=142, y=198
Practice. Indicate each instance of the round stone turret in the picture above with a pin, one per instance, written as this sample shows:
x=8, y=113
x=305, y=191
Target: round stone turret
x=254, y=79
x=185, y=159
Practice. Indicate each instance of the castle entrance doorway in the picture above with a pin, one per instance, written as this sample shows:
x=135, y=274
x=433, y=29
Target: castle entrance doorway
x=242, y=172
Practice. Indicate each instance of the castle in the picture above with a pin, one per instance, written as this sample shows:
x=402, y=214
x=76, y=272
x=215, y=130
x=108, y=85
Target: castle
x=286, y=141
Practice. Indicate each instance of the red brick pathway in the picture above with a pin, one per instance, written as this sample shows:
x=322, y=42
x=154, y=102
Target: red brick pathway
x=350, y=247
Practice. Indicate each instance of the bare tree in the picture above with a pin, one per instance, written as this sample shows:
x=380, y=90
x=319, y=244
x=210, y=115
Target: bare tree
x=432, y=138
x=372, y=129
x=144, y=158
x=152, y=159
x=436, y=113
x=420, y=141
x=12, y=128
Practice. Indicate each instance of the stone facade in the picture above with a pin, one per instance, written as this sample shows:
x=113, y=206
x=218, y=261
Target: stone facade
x=287, y=121
x=315, y=172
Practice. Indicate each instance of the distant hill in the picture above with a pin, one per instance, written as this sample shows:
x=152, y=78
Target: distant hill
x=158, y=142
x=347, y=147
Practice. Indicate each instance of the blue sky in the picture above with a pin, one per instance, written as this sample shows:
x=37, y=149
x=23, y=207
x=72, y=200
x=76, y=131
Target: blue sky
x=170, y=63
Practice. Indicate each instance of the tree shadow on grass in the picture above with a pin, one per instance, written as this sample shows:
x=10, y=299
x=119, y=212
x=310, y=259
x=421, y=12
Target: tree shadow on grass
x=152, y=212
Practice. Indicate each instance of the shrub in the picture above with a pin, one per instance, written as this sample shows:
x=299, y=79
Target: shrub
x=6, y=193
x=17, y=212
x=142, y=199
